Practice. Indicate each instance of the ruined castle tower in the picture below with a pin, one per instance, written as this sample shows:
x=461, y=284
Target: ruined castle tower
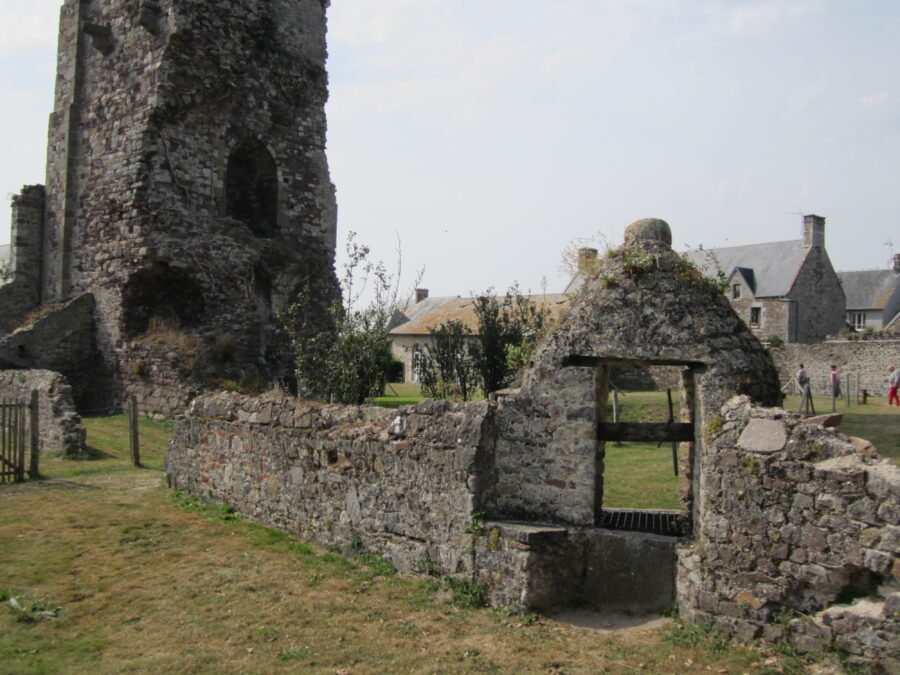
x=187, y=186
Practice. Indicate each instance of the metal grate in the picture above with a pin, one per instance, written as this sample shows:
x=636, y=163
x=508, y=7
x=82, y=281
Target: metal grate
x=670, y=523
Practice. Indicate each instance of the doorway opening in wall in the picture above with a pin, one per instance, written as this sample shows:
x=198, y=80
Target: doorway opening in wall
x=251, y=188
x=645, y=439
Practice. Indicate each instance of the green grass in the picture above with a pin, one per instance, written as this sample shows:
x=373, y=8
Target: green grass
x=109, y=450
x=640, y=475
x=874, y=421
x=399, y=394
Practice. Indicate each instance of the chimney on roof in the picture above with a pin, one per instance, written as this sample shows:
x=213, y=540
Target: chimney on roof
x=897, y=263
x=587, y=258
x=813, y=231
x=421, y=294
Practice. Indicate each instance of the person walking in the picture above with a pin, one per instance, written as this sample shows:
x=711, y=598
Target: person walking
x=802, y=380
x=894, y=382
x=835, y=382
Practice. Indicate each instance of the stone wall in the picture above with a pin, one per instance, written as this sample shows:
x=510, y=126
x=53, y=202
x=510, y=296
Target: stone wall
x=402, y=484
x=864, y=359
x=60, y=431
x=61, y=340
x=798, y=539
x=21, y=294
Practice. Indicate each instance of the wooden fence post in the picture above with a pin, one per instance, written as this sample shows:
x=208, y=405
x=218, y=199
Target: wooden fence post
x=33, y=469
x=133, y=431
x=20, y=441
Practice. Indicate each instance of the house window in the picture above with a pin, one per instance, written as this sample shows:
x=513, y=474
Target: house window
x=755, y=313
x=735, y=291
x=859, y=320
x=416, y=363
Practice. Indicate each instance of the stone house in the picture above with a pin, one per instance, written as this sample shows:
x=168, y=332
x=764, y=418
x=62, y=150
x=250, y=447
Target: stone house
x=410, y=334
x=873, y=297
x=785, y=289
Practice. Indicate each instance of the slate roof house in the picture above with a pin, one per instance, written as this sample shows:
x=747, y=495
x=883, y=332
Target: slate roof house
x=873, y=297
x=787, y=289
x=410, y=334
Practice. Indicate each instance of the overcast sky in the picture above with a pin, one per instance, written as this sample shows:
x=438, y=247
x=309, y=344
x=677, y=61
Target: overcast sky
x=488, y=134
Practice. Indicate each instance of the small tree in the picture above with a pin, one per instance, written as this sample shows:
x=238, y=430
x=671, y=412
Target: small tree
x=351, y=364
x=5, y=271
x=449, y=365
x=508, y=331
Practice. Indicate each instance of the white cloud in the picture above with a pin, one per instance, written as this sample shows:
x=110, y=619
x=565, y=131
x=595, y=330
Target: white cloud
x=874, y=100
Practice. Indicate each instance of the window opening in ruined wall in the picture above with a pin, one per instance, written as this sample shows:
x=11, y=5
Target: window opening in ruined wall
x=251, y=188
x=645, y=438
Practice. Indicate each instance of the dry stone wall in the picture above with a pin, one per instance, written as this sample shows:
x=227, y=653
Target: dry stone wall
x=402, y=484
x=60, y=431
x=798, y=539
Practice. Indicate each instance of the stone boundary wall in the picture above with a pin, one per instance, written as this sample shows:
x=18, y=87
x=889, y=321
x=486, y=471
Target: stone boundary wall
x=401, y=484
x=867, y=359
x=798, y=538
x=60, y=431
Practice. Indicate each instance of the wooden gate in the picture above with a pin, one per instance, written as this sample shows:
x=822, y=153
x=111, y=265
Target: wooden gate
x=18, y=439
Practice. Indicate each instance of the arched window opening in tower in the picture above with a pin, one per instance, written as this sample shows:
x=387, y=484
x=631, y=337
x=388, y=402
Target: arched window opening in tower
x=251, y=188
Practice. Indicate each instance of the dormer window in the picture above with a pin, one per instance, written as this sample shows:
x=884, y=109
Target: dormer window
x=735, y=291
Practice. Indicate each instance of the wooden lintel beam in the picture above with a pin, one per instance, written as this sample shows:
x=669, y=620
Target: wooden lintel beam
x=653, y=431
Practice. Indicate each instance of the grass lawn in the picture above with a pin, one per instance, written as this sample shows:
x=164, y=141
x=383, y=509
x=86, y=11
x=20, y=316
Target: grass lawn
x=114, y=573
x=874, y=421
x=398, y=394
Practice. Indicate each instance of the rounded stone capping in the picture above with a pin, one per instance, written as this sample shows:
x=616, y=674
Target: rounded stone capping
x=648, y=230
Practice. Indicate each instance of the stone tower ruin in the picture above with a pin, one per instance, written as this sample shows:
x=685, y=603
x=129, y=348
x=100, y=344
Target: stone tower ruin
x=187, y=193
